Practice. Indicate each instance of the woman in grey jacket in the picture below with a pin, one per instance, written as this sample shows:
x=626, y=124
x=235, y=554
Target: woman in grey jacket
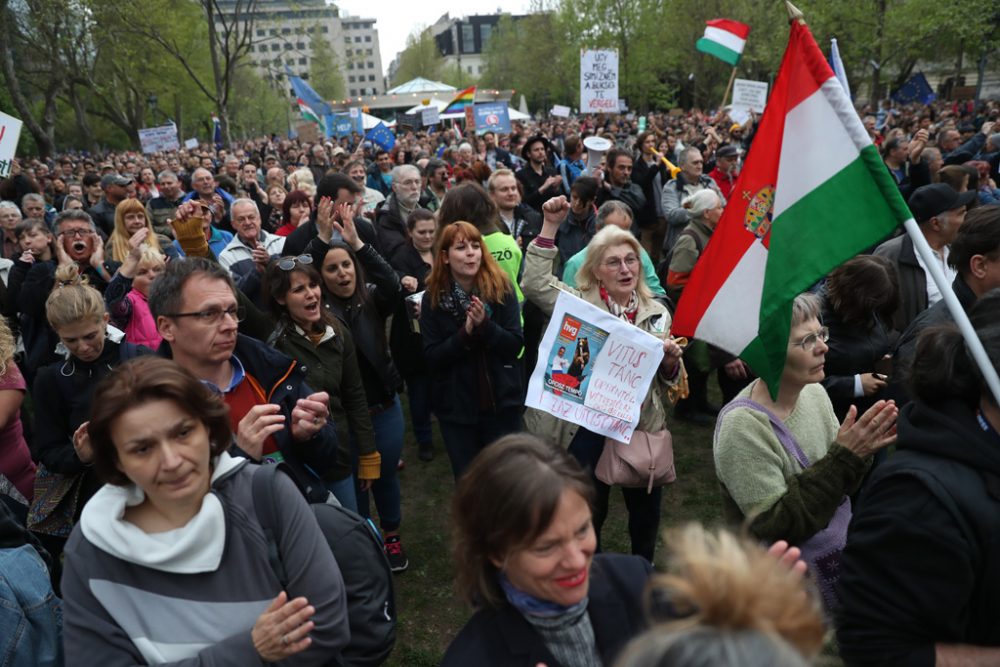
x=169, y=563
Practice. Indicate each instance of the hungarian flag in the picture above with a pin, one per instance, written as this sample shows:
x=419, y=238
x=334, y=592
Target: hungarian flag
x=464, y=99
x=724, y=39
x=812, y=194
x=307, y=112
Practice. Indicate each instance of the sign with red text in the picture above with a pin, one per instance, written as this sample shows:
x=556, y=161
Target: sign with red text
x=598, y=81
x=593, y=369
x=10, y=132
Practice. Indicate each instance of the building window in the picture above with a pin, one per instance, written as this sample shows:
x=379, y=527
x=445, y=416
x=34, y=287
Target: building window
x=480, y=69
x=351, y=79
x=371, y=65
x=347, y=40
x=368, y=52
x=350, y=65
x=286, y=31
x=272, y=32
x=469, y=68
x=357, y=39
x=368, y=38
x=288, y=47
x=311, y=29
x=261, y=33
x=485, y=30
x=300, y=45
x=353, y=92
x=371, y=77
x=302, y=61
x=349, y=52
x=276, y=47
x=468, y=38
x=324, y=29
x=290, y=61
x=299, y=30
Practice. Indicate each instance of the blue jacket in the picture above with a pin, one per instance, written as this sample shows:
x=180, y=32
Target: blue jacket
x=284, y=381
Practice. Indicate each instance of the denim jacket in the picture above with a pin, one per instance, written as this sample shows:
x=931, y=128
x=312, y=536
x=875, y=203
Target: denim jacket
x=30, y=612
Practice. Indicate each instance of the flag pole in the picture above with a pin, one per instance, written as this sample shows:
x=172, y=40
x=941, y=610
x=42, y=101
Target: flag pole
x=961, y=318
x=729, y=87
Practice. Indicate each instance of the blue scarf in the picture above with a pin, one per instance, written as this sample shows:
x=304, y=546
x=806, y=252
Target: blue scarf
x=529, y=605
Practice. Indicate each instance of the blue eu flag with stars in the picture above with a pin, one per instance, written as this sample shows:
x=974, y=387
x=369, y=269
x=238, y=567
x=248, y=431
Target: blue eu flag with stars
x=381, y=136
x=915, y=90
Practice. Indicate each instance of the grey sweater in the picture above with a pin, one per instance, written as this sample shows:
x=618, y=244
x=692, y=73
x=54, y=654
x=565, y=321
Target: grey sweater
x=119, y=612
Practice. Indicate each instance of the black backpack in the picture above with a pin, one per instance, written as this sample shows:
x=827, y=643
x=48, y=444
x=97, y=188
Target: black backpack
x=371, y=607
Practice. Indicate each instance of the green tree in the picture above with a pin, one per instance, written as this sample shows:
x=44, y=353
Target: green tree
x=420, y=58
x=324, y=73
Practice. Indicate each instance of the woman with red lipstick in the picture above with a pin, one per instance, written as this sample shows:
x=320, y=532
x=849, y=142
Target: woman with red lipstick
x=471, y=323
x=525, y=558
x=610, y=278
x=785, y=465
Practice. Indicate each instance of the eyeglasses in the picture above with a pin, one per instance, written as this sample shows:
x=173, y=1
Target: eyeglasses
x=809, y=342
x=615, y=264
x=74, y=233
x=213, y=315
x=288, y=263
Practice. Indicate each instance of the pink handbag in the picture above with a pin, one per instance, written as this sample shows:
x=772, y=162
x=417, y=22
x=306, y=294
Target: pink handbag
x=647, y=461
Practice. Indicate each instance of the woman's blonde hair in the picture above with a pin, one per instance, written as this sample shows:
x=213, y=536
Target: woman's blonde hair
x=151, y=256
x=302, y=179
x=7, y=346
x=734, y=599
x=72, y=299
x=609, y=236
x=120, y=236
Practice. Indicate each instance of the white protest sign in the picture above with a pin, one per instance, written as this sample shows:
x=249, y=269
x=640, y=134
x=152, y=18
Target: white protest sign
x=598, y=81
x=594, y=369
x=559, y=111
x=191, y=143
x=429, y=117
x=163, y=138
x=750, y=94
x=739, y=114
x=10, y=132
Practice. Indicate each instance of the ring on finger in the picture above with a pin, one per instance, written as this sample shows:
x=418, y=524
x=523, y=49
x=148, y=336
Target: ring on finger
x=315, y=421
x=284, y=640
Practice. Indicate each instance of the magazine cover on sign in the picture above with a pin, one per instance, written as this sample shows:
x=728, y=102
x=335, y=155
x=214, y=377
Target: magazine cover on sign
x=570, y=360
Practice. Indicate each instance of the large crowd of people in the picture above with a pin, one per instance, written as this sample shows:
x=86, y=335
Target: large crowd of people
x=175, y=321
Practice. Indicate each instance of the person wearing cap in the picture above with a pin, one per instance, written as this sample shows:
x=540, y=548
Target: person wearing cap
x=940, y=211
x=115, y=190
x=538, y=177
x=727, y=160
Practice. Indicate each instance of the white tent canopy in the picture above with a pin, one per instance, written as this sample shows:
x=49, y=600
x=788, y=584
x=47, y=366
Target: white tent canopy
x=421, y=85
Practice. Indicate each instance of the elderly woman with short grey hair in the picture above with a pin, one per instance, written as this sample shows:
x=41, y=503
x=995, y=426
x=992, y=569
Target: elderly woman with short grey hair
x=785, y=466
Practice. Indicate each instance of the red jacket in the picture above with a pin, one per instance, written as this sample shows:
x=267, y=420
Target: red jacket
x=724, y=181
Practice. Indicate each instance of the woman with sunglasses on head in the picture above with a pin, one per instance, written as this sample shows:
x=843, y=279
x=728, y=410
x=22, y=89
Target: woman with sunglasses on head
x=785, y=465
x=310, y=334
x=362, y=290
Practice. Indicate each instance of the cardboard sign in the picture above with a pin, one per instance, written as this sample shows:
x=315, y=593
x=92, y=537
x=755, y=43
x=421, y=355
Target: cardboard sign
x=308, y=132
x=598, y=81
x=594, y=369
x=559, y=111
x=429, y=116
x=155, y=139
x=492, y=117
x=10, y=133
x=470, y=117
x=191, y=144
x=750, y=94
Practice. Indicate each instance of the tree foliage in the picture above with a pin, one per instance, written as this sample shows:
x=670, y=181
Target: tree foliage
x=420, y=58
x=324, y=72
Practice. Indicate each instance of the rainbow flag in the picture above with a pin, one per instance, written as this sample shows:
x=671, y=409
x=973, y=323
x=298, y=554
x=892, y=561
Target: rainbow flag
x=464, y=99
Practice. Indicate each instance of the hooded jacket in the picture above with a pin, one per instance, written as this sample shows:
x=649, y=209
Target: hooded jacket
x=922, y=562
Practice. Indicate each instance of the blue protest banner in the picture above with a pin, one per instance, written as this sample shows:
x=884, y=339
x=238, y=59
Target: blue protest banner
x=492, y=117
x=340, y=125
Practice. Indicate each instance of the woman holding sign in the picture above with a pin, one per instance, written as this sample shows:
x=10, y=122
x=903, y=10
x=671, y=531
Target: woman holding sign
x=471, y=324
x=611, y=278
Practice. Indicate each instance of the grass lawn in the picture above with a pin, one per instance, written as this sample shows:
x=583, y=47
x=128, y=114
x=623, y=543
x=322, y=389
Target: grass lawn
x=430, y=614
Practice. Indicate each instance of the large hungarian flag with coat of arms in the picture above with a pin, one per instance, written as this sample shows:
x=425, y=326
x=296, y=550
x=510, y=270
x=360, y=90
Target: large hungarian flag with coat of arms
x=812, y=194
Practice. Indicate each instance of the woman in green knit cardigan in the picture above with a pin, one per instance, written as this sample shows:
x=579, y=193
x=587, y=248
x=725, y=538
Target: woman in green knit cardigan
x=784, y=492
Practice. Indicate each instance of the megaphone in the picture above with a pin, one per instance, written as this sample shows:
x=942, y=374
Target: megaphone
x=596, y=148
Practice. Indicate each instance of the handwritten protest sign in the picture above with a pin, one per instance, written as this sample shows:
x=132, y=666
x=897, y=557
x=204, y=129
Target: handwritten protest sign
x=559, y=111
x=163, y=138
x=598, y=81
x=593, y=369
x=10, y=132
x=750, y=94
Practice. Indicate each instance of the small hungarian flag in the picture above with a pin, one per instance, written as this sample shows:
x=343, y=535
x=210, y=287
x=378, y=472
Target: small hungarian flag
x=466, y=98
x=812, y=194
x=724, y=39
x=307, y=112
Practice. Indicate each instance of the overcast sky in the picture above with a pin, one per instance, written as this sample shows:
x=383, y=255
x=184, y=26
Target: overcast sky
x=396, y=19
